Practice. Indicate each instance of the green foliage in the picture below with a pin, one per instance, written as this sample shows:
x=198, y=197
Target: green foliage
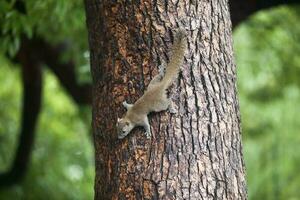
x=55, y=21
x=62, y=161
x=9, y=117
x=267, y=51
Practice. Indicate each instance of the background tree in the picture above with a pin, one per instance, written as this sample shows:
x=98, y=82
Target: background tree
x=23, y=44
x=36, y=36
x=195, y=154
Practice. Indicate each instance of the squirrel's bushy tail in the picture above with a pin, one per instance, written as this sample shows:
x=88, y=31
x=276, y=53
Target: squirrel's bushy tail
x=177, y=57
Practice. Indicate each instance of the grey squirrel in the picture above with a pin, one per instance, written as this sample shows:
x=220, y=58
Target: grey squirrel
x=155, y=98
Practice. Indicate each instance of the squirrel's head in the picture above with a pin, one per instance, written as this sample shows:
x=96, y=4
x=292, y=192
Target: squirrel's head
x=124, y=126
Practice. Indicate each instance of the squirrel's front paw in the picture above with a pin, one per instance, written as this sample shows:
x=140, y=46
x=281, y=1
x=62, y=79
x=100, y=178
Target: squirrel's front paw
x=125, y=103
x=148, y=135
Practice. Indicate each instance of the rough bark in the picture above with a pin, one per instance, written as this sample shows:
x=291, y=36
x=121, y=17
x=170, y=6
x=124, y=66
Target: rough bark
x=194, y=154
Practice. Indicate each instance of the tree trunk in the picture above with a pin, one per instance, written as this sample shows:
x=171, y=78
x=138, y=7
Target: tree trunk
x=194, y=154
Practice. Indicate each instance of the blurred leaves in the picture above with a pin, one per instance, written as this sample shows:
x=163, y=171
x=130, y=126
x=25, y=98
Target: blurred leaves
x=62, y=161
x=10, y=105
x=55, y=21
x=268, y=58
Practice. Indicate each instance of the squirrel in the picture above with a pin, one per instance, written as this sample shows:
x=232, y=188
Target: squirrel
x=155, y=97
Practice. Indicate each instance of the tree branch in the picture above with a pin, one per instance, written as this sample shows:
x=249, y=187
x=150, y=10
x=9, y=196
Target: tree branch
x=32, y=89
x=65, y=72
x=32, y=53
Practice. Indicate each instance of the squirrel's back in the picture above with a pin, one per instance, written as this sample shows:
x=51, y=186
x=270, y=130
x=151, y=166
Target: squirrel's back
x=154, y=95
